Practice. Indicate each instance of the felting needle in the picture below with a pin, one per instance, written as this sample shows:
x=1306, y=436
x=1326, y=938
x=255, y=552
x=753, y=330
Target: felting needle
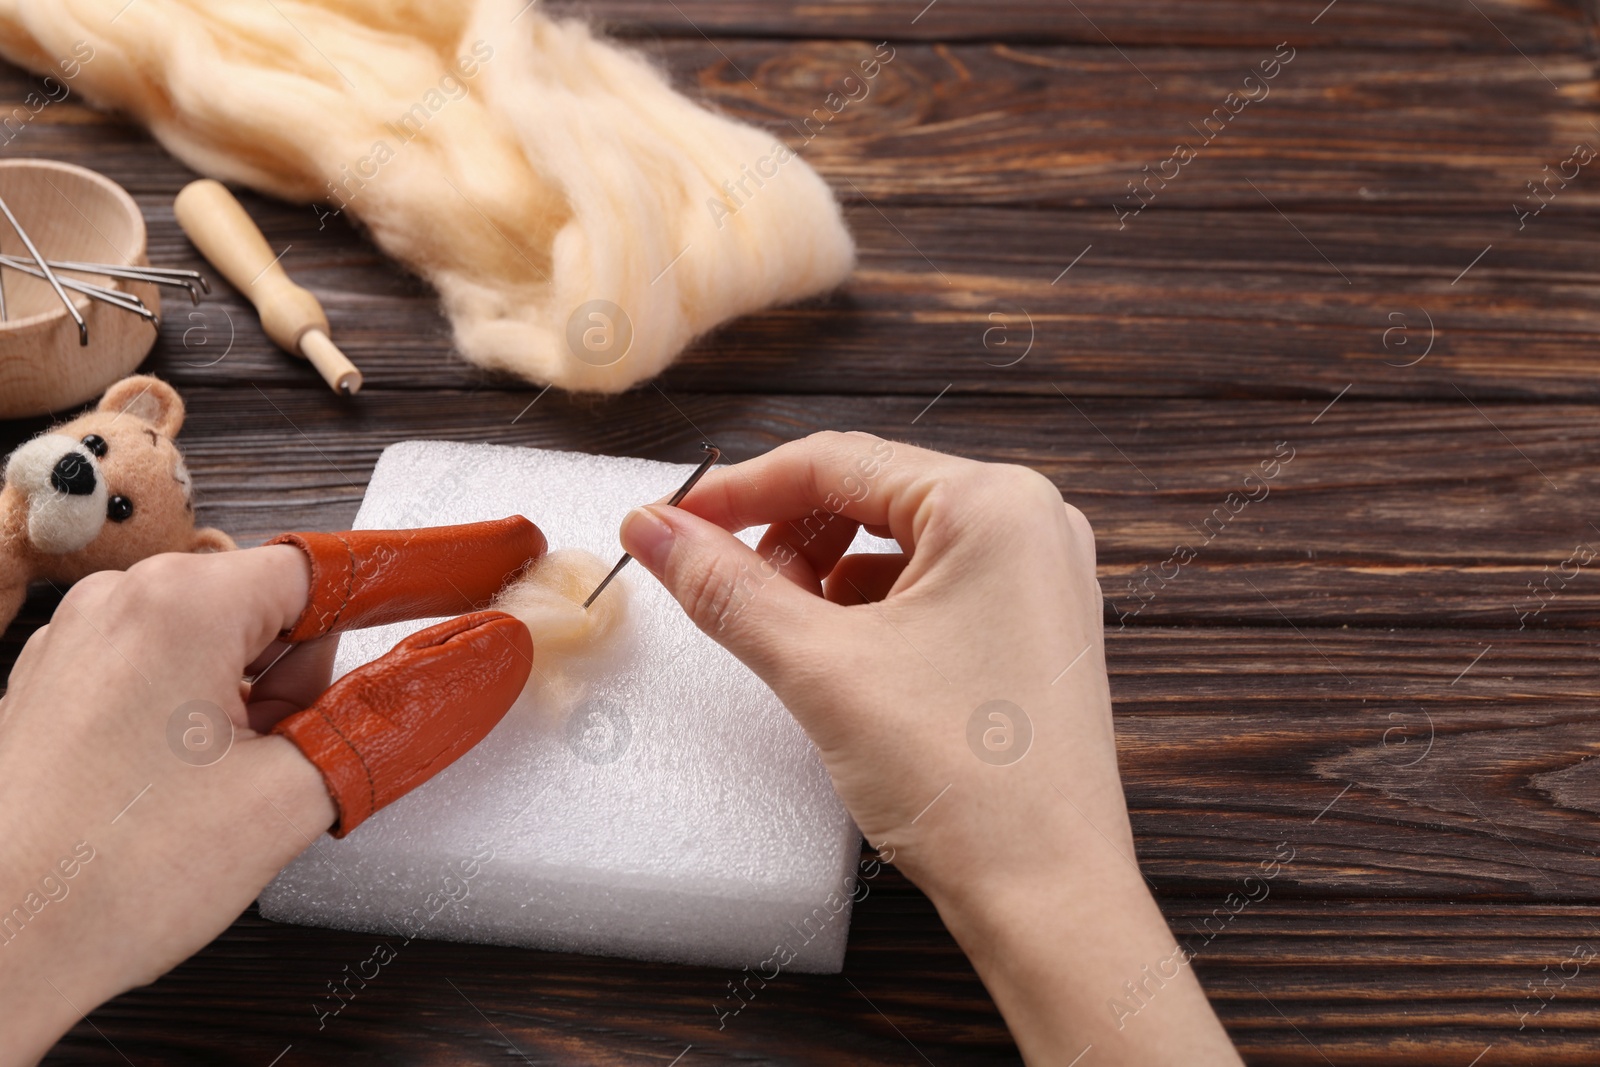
x=178, y=274
x=188, y=281
x=713, y=453
x=49, y=275
x=127, y=273
x=115, y=297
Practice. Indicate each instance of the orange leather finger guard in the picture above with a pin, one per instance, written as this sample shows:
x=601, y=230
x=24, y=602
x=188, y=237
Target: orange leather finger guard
x=387, y=727
x=371, y=577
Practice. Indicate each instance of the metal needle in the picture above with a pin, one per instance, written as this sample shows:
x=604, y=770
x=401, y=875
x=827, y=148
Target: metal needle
x=190, y=286
x=135, y=274
x=713, y=453
x=114, y=297
x=176, y=273
x=49, y=275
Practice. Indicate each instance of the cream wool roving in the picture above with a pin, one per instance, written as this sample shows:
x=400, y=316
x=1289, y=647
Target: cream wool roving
x=572, y=210
x=548, y=598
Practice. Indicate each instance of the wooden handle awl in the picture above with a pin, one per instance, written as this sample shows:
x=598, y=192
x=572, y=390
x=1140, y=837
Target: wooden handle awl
x=225, y=234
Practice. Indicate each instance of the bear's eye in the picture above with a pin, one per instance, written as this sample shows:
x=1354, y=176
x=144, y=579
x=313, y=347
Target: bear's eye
x=119, y=509
x=96, y=444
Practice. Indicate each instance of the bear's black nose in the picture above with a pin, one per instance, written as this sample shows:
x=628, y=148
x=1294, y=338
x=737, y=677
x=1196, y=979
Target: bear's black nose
x=73, y=474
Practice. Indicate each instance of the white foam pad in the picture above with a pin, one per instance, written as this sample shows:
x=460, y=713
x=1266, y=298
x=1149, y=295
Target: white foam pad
x=678, y=814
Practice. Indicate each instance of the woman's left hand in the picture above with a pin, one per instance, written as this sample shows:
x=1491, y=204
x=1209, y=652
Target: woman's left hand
x=144, y=805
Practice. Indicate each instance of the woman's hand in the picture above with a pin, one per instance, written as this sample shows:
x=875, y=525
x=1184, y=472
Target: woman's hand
x=169, y=848
x=957, y=691
x=143, y=804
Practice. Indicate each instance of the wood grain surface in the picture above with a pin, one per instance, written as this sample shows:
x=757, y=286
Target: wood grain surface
x=1297, y=983
x=1334, y=540
x=1386, y=662
x=1195, y=304
x=1534, y=25
x=1071, y=126
x=1059, y=126
x=1388, y=256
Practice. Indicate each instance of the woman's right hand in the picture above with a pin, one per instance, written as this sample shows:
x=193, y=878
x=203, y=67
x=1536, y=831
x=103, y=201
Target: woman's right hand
x=957, y=692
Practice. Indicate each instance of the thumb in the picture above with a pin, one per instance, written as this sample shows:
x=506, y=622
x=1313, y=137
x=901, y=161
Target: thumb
x=742, y=601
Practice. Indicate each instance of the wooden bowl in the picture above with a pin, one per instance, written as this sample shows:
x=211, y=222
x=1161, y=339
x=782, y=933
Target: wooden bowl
x=71, y=214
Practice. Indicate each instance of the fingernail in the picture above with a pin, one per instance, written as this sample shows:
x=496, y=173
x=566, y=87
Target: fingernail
x=647, y=538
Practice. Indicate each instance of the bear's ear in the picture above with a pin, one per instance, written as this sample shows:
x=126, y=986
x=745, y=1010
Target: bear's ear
x=211, y=539
x=147, y=398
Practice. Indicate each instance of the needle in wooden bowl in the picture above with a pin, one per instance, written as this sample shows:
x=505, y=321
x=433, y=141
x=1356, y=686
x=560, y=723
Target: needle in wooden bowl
x=49, y=275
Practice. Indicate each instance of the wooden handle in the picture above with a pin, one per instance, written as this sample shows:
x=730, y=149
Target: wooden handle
x=225, y=234
x=334, y=366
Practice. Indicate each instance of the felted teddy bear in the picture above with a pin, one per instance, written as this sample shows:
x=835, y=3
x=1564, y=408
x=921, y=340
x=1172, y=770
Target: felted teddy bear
x=99, y=493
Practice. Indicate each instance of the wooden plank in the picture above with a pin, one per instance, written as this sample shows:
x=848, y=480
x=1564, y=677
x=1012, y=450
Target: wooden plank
x=1385, y=514
x=1534, y=27
x=1217, y=303
x=1402, y=982
x=1357, y=982
x=1074, y=126
x=1222, y=303
x=1395, y=763
x=1183, y=304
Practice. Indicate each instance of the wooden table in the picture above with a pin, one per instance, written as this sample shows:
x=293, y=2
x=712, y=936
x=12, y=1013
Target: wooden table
x=1354, y=662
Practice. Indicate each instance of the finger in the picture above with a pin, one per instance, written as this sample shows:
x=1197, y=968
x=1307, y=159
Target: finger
x=269, y=655
x=305, y=585
x=861, y=477
x=387, y=727
x=728, y=591
x=814, y=545
x=291, y=800
x=293, y=680
x=865, y=578
x=372, y=577
x=252, y=594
